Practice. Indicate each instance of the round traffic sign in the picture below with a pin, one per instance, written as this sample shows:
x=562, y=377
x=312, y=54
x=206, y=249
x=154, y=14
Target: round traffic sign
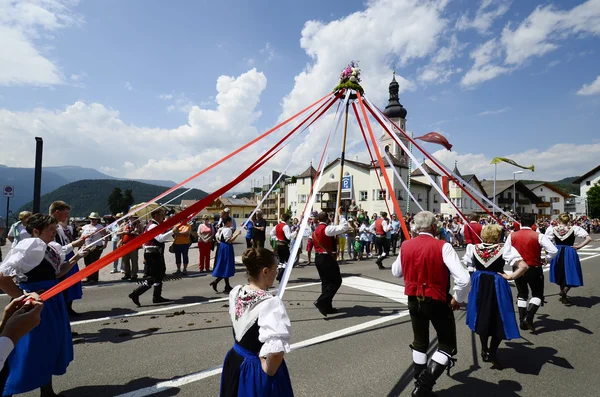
x=8, y=189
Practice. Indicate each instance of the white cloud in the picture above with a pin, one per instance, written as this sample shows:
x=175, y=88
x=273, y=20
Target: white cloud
x=22, y=23
x=128, y=86
x=165, y=97
x=439, y=69
x=492, y=112
x=486, y=14
x=590, y=89
x=551, y=164
x=91, y=132
x=540, y=33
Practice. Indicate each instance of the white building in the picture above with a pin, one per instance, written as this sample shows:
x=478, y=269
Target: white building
x=552, y=200
x=460, y=199
x=587, y=181
x=576, y=205
x=511, y=195
x=365, y=189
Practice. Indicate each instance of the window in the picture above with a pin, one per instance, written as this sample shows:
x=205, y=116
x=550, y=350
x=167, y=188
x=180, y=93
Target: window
x=436, y=198
x=381, y=194
x=554, y=199
x=543, y=198
x=237, y=216
x=517, y=195
x=588, y=183
x=419, y=198
x=302, y=198
x=510, y=195
x=541, y=189
x=303, y=181
x=556, y=212
x=399, y=195
x=363, y=195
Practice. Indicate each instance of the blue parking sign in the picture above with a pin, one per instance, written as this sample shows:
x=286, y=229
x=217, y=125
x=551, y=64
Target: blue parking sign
x=347, y=183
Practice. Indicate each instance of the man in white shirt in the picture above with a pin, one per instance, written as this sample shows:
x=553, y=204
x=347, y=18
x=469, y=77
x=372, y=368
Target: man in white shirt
x=426, y=264
x=282, y=235
x=380, y=228
x=95, y=241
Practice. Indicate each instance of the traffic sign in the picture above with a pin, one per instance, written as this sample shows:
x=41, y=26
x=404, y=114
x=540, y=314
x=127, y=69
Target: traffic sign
x=347, y=183
x=9, y=191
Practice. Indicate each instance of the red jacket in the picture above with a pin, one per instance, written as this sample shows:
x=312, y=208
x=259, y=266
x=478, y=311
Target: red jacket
x=470, y=237
x=321, y=241
x=425, y=273
x=279, y=233
x=379, y=227
x=526, y=242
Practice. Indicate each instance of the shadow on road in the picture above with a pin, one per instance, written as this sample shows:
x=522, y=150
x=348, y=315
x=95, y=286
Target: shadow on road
x=115, y=311
x=549, y=324
x=477, y=387
x=115, y=390
x=584, y=301
x=529, y=360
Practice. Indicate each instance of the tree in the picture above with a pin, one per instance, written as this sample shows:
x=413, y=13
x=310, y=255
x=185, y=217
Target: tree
x=593, y=196
x=127, y=200
x=115, y=201
x=289, y=212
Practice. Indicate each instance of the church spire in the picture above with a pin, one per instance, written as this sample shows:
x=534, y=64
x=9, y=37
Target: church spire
x=394, y=110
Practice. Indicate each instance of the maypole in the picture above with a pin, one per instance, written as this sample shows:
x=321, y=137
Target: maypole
x=409, y=177
x=342, y=158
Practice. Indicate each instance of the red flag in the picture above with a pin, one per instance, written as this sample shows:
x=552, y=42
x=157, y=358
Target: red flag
x=435, y=137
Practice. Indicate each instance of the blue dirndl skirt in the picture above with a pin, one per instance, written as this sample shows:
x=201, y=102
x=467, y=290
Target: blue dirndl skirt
x=565, y=267
x=253, y=381
x=498, y=312
x=76, y=290
x=225, y=266
x=45, y=351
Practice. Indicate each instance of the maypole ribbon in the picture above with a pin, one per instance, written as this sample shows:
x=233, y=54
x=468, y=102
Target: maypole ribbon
x=427, y=176
x=216, y=163
x=289, y=164
x=370, y=153
x=382, y=167
x=385, y=153
x=448, y=174
x=308, y=207
x=168, y=224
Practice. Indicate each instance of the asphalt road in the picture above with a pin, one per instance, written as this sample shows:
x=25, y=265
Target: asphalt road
x=178, y=348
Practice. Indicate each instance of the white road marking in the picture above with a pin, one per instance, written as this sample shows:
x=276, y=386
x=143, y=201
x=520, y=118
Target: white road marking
x=391, y=291
x=195, y=377
x=169, y=308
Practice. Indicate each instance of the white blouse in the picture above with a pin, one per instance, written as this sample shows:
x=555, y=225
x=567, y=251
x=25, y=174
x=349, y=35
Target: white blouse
x=225, y=232
x=509, y=258
x=247, y=306
x=577, y=230
x=26, y=256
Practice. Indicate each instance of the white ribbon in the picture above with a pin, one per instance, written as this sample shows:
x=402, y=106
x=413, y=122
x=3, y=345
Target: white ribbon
x=401, y=181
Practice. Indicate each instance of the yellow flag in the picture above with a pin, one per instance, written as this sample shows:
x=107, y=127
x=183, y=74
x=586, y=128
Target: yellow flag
x=497, y=160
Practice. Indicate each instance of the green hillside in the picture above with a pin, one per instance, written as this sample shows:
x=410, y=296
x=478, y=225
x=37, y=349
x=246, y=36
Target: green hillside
x=565, y=184
x=90, y=195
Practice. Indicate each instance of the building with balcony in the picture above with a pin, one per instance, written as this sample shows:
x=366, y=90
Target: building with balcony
x=552, y=199
x=239, y=208
x=510, y=194
x=576, y=205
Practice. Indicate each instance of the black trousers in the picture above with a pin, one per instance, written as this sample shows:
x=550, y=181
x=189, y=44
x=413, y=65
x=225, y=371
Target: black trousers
x=92, y=257
x=156, y=268
x=331, y=279
x=441, y=316
x=382, y=244
x=394, y=242
x=534, y=279
x=259, y=243
x=283, y=252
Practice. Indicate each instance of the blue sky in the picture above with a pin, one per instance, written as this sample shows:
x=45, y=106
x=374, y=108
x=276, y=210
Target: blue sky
x=134, y=79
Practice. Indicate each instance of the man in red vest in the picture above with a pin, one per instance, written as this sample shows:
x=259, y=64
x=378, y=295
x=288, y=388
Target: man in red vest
x=472, y=230
x=325, y=259
x=529, y=245
x=380, y=228
x=282, y=235
x=427, y=264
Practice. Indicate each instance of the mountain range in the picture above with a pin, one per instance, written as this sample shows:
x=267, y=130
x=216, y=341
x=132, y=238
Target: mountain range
x=86, y=196
x=52, y=178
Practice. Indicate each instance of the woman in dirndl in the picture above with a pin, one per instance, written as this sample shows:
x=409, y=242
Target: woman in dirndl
x=565, y=267
x=225, y=263
x=47, y=350
x=255, y=367
x=490, y=312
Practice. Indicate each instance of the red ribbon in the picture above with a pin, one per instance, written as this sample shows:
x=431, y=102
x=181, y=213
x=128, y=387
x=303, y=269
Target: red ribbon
x=382, y=167
x=180, y=217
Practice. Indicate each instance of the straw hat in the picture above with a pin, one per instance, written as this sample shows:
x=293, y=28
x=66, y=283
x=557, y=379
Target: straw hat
x=205, y=216
x=119, y=215
x=94, y=215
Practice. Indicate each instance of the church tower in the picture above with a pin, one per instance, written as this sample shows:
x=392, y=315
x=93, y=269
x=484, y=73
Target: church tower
x=397, y=113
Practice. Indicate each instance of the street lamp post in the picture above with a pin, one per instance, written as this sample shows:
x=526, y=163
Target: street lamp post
x=515, y=190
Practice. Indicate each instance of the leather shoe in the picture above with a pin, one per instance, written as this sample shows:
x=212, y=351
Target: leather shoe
x=135, y=299
x=321, y=310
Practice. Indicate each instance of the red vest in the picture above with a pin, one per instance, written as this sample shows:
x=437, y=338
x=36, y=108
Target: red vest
x=379, y=227
x=279, y=233
x=425, y=273
x=322, y=242
x=470, y=237
x=526, y=242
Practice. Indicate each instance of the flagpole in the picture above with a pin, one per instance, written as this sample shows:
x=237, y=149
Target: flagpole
x=342, y=159
x=495, y=172
x=409, y=177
